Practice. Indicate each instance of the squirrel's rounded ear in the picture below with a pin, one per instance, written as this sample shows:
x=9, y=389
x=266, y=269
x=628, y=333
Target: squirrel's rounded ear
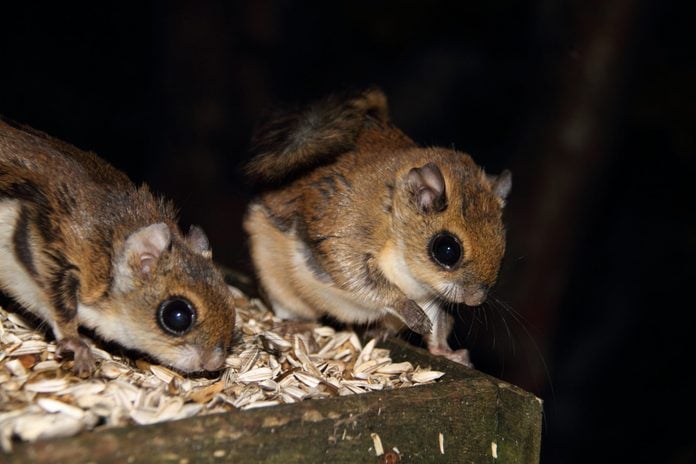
x=144, y=247
x=198, y=241
x=501, y=185
x=427, y=188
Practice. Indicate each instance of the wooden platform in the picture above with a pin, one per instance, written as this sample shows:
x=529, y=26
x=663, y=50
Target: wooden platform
x=467, y=416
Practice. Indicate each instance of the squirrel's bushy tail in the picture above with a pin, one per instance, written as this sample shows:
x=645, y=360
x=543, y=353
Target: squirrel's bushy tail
x=288, y=143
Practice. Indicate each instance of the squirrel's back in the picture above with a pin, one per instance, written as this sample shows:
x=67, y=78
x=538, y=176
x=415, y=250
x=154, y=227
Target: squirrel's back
x=34, y=153
x=72, y=183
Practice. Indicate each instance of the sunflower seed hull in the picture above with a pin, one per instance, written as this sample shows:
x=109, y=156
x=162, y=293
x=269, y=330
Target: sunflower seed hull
x=274, y=362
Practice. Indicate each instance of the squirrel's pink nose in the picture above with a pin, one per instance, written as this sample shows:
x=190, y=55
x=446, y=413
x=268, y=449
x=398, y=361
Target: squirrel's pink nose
x=215, y=360
x=475, y=295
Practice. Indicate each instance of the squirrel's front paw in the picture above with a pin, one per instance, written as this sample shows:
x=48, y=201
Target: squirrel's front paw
x=83, y=361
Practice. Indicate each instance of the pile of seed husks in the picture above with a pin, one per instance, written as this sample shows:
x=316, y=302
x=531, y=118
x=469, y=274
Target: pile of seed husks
x=274, y=362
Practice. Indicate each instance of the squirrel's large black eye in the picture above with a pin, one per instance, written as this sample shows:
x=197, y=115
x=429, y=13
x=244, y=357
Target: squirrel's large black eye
x=446, y=249
x=176, y=315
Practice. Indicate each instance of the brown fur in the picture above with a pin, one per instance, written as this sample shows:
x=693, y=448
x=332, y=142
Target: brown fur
x=366, y=208
x=79, y=213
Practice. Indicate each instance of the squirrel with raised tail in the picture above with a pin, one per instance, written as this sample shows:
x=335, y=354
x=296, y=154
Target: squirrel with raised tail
x=81, y=245
x=356, y=221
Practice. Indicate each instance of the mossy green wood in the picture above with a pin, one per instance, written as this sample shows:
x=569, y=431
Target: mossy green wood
x=477, y=415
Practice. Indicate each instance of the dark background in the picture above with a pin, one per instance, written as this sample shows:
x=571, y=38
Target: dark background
x=590, y=104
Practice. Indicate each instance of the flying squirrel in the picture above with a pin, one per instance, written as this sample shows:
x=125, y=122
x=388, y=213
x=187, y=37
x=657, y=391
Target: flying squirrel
x=354, y=220
x=81, y=245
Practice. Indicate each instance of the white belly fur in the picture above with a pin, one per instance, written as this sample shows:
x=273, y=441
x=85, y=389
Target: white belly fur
x=292, y=287
x=14, y=278
x=338, y=303
x=392, y=263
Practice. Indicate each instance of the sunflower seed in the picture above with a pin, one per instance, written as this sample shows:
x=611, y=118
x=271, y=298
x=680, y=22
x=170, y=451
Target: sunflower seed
x=377, y=442
x=275, y=341
x=426, y=376
x=205, y=394
x=18, y=321
x=47, y=386
x=269, y=385
x=307, y=379
x=83, y=389
x=295, y=392
x=363, y=371
x=249, y=357
x=395, y=368
x=162, y=373
x=35, y=426
x=366, y=352
x=29, y=347
x=51, y=405
x=16, y=368
x=255, y=375
x=112, y=370
x=273, y=363
x=324, y=331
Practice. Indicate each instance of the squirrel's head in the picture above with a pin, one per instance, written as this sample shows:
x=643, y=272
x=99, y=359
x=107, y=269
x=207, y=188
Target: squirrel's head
x=168, y=300
x=447, y=220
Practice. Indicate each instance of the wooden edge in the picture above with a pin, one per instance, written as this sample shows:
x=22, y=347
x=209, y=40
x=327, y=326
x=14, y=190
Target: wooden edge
x=520, y=413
